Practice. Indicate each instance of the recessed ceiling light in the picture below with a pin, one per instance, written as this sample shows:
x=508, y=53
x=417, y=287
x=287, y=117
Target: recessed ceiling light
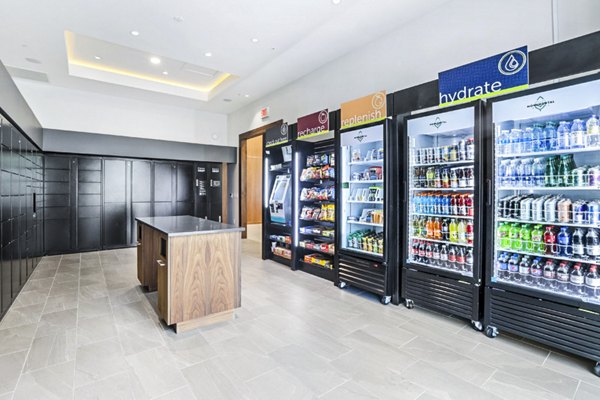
x=165, y=73
x=155, y=60
x=336, y=2
x=33, y=60
x=254, y=40
x=208, y=54
x=178, y=18
x=135, y=33
x=227, y=100
x=98, y=57
x=246, y=95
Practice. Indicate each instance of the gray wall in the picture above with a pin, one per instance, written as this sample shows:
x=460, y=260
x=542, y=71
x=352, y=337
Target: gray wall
x=13, y=105
x=60, y=141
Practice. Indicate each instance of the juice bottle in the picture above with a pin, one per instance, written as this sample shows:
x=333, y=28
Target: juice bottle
x=503, y=237
x=462, y=232
x=550, y=240
x=453, y=228
x=437, y=229
x=537, y=240
x=429, y=228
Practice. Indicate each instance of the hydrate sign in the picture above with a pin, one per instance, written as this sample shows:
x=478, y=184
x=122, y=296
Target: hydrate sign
x=502, y=73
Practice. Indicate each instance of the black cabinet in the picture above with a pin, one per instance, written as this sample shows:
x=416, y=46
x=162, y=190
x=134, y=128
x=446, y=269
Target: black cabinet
x=57, y=204
x=164, y=188
x=116, y=196
x=141, y=194
x=89, y=203
x=215, y=190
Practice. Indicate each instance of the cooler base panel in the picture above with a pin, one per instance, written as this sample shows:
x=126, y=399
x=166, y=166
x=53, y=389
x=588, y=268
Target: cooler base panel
x=441, y=294
x=567, y=328
x=363, y=274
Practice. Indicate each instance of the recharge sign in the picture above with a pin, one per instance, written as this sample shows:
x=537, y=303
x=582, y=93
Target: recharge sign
x=502, y=73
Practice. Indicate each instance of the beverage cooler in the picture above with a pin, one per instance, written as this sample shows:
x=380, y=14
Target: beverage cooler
x=543, y=225
x=363, y=228
x=441, y=250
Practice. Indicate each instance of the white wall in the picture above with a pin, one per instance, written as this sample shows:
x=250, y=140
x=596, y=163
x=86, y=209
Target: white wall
x=459, y=32
x=87, y=111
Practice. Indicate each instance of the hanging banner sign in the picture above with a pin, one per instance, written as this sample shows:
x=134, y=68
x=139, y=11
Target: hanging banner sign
x=277, y=135
x=314, y=124
x=362, y=111
x=502, y=73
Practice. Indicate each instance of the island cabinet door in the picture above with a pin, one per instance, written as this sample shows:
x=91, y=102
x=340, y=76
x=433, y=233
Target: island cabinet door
x=147, y=272
x=140, y=255
x=162, y=266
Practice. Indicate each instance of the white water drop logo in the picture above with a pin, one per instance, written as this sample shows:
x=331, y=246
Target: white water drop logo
x=512, y=62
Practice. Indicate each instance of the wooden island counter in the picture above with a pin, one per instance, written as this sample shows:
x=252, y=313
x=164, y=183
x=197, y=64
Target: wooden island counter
x=195, y=266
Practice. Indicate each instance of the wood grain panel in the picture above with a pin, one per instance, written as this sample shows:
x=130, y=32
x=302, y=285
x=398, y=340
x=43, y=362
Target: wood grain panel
x=149, y=252
x=204, y=273
x=254, y=177
x=162, y=280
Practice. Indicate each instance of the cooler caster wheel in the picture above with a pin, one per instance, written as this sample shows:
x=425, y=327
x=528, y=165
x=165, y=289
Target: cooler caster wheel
x=597, y=369
x=477, y=325
x=409, y=304
x=491, y=332
x=342, y=285
x=385, y=300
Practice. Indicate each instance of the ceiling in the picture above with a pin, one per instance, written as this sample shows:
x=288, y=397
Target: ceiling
x=58, y=42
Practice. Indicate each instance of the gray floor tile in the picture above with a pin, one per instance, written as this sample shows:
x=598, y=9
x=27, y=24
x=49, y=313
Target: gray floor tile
x=10, y=370
x=98, y=361
x=51, y=349
x=588, y=392
x=51, y=383
x=278, y=384
x=513, y=387
x=96, y=329
x=57, y=322
x=19, y=316
x=209, y=382
x=16, y=339
x=157, y=371
x=122, y=386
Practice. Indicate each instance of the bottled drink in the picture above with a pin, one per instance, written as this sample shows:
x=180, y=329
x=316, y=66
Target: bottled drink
x=461, y=232
x=437, y=178
x=453, y=228
x=462, y=209
x=504, y=181
x=454, y=205
x=503, y=235
x=537, y=272
x=470, y=232
x=550, y=136
x=525, y=236
x=564, y=171
x=563, y=135
x=538, y=171
x=526, y=206
x=422, y=253
x=446, y=205
x=429, y=228
x=525, y=271
x=578, y=132
x=537, y=240
x=504, y=142
x=452, y=257
x=430, y=174
x=513, y=170
x=462, y=177
x=562, y=276
x=460, y=258
x=516, y=141
x=470, y=177
x=436, y=254
x=453, y=178
x=564, y=210
x=592, y=243
x=444, y=256
x=577, y=280
x=502, y=266
x=550, y=240
x=437, y=229
x=526, y=168
x=550, y=214
x=445, y=178
x=416, y=227
x=565, y=248
x=513, y=233
x=470, y=148
x=445, y=230
x=415, y=251
x=592, y=282
x=527, y=140
x=551, y=172
x=578, y=244
x=468, y=266
x=469, y=205
x=550, y=275
x=537, y=209
x=429, y=253
x=593, y=131
x=513, y=267
x=537, y=138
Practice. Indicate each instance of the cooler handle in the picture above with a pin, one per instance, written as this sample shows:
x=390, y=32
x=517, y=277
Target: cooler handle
x=488, y=200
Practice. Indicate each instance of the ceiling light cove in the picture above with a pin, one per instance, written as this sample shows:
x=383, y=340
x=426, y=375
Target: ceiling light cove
x=208, y=54
x=135, y=68
x=135, y=33
x=336, y=2
x=254, y=40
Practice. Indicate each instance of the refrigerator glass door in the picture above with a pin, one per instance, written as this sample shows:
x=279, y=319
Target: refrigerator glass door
x=547, y=192
x=442, y=178
x=362, y=191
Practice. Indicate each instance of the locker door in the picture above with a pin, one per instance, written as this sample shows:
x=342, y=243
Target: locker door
x=184, y=196
x=115, y=218
x=89, y=203
x=214, y=192
x=201, y=190
x=57, y=204
x=164, y=189
x=141, y=194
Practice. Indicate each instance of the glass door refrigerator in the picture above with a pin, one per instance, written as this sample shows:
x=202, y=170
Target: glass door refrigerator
x=441, y=254
x=543, y=238
x=362, y=223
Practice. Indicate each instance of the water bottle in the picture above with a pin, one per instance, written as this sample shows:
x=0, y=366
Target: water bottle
x=538, y=170
x=503, y=142
x=578, y=132
x=593, y=131
x=514, y=172
x=507, y=179
x=526, y=172
x=516, y=137
x=563, y=135
x=537, y=138
x=551, y=142
x=502, y=172
x=527, y=140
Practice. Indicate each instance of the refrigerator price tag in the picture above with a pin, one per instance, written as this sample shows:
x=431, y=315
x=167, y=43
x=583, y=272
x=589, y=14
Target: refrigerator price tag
x=215, y=170
x=345, y=185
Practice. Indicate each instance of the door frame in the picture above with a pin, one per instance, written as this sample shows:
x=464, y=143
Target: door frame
x=243, y=164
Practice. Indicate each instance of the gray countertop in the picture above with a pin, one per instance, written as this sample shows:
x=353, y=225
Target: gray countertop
x=183, y=225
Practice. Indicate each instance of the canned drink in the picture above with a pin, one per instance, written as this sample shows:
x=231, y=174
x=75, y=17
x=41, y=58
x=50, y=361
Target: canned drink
x=526, y=206
x=564, y=210
x=445, y=153
x=594, y=176
x=580, y=210
x=594, y=212
x=550, y=209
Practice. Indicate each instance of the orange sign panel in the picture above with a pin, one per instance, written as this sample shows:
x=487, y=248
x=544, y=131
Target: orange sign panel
x=364, y=110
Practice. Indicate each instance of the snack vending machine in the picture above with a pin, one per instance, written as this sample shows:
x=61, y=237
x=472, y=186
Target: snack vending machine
x=543, y=236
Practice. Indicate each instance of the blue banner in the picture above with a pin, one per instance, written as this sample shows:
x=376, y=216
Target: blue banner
x=502, y=73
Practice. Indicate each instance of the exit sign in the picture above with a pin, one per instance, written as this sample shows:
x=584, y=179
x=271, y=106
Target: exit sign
x=264, y=112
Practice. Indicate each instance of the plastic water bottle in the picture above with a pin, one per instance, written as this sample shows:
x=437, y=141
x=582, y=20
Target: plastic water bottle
x=550, y=136
x=578, y=132
x=563, y=136
x=527, y=140
x=503, y=142
x=513, y=172
x=526, y=172
x=593, y=131
x=502, y=172
x=516, y=137
x=537, y=138
x=538, y=170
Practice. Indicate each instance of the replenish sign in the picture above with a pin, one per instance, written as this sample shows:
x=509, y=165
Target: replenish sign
x=502, y=73
x=313, y=124
x=362, y=111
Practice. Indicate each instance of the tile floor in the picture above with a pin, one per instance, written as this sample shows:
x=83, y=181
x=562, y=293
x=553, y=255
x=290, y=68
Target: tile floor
x=83, y=329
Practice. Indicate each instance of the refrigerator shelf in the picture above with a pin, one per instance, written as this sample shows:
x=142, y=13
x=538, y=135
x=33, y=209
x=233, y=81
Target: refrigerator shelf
x=414, y=189
x=380, y=161
x=463, y=273
x=548, y=223
x=543, y=289
x=318, y=236
x=549, y=153
x=371, y=181
x=365, y=223
x=316, y=250
x=411, y=238
x=550, y=256
x=549, y=188
x=441, y=215
x=318, y=221
x=444, y=163
x=364, y=202
x=363, y=251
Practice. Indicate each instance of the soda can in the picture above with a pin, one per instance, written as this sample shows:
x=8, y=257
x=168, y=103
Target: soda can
x=594, y=212
x=431, y=155
x=594, y=176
